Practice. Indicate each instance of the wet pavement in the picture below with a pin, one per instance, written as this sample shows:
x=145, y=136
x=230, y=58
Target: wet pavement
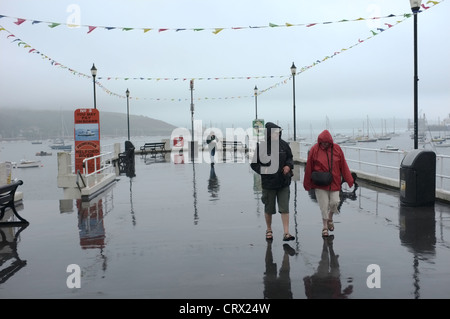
x=187, y=231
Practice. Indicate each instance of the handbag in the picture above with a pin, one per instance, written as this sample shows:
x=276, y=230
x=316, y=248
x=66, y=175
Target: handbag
x=321, y=178
x=324, y=178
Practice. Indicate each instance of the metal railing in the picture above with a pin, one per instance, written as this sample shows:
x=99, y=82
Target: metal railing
x=105, y=164
x=108, y=155
x=385, y=163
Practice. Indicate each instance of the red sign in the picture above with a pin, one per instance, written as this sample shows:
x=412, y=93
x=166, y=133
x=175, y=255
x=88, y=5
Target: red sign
x=87, y=139
x=178, y=141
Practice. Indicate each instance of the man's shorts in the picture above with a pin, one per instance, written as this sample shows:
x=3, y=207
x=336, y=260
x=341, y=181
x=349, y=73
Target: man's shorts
x=280, y=196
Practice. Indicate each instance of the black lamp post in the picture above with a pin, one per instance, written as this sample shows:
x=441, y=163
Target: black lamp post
x=191, y=86
x=94, y=74
x=293, y=72
x=415, y=6
x=256, y=102
x=128, y=112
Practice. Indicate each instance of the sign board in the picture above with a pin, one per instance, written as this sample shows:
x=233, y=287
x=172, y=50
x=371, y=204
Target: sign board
x=87, y=138
x=178, y=141
x=258, y=127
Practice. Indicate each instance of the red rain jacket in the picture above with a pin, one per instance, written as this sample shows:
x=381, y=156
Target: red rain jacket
x=317, y=161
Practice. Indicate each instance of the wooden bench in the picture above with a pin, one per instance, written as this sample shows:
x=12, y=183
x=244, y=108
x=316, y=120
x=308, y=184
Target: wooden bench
x=7, y=194
x=234, y=145
x=153, y=148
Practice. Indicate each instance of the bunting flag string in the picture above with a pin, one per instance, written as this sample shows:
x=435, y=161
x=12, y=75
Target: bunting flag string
x=108, y=78
x=24, y=45
x=214, y=30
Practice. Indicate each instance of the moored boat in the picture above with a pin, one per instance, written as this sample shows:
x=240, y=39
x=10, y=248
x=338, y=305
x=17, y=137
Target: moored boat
x=59, y=144
x=384, y=137
x=442, y=144
x=389, y=147
x=24, y=163
x=43, y=153
x=364, y=139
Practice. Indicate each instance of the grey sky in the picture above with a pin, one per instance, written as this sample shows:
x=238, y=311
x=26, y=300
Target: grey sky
x=373, y=78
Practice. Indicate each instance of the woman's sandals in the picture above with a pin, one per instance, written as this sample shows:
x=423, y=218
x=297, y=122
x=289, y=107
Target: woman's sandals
x=330, y=225
x=288, y=237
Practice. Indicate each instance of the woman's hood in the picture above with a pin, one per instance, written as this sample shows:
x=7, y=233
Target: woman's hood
x=325, y=137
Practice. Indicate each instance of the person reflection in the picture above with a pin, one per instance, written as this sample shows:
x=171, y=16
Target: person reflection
x=326, y=282
x=213, y=184
x=278, y=287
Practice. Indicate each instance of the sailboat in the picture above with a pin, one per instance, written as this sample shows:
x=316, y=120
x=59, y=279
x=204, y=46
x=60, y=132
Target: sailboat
x=366, y=138
x=338, y=137
x=58, y=143
x=384, y=136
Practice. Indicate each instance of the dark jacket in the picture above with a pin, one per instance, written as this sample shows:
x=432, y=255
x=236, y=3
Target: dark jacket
x=319, y=159
x=278, y=179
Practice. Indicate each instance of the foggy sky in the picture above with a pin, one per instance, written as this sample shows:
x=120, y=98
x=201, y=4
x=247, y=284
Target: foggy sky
x=372, y=75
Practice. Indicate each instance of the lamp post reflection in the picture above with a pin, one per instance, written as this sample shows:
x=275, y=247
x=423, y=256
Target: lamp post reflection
x=194, y=194
x=133, y=217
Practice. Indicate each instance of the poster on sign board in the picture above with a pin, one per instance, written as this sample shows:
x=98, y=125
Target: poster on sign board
x=87, y=140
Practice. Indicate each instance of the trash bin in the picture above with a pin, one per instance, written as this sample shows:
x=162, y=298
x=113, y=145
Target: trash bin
x=126, y=160
x=418, y=178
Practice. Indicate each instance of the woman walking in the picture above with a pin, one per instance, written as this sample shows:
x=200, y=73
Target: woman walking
x=326, y=156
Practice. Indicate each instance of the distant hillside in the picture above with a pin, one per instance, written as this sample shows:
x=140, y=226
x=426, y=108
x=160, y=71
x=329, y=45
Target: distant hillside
x=33, y=124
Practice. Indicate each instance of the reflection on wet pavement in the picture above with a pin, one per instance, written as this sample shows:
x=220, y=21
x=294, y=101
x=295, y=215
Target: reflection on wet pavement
x=192, y=230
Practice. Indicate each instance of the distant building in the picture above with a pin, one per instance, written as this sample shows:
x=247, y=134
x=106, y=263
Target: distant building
x=446, y=121
x=421, y=124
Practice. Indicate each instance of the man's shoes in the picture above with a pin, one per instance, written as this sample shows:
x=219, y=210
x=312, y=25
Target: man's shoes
x=269, y=235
